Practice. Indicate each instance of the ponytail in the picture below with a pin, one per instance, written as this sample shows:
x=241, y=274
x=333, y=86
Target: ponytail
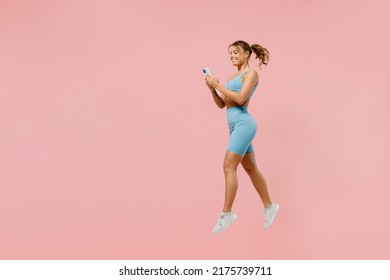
x=261, y=53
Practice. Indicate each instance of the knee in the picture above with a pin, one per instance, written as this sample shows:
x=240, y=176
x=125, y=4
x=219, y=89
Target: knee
x=250, y=169
x=228, y=167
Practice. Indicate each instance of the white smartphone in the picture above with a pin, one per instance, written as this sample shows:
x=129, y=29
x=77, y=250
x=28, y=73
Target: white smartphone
x=206, y=71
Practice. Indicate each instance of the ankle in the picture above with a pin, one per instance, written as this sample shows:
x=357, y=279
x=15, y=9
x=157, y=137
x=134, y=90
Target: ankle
x=268, y=206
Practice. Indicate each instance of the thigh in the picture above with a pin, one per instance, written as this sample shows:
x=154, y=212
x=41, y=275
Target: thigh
x=241, y=137
x=232, y=160
x=248, y=162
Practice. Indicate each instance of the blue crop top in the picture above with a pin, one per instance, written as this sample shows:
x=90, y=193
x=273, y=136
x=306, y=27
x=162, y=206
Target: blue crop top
x=235, y=84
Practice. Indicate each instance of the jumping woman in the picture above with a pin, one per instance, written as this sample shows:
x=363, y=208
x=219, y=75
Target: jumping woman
x=236, y=95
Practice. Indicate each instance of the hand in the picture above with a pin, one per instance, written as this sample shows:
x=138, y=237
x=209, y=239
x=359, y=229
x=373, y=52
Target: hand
x=210, y=88
x=211, y=82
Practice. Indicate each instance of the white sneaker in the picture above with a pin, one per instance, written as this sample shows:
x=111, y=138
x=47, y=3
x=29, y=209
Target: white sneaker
x=224, y=221
x=270, y=214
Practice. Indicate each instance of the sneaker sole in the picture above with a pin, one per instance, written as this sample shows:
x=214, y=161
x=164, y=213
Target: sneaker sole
x=234, y=219
x=273, y=216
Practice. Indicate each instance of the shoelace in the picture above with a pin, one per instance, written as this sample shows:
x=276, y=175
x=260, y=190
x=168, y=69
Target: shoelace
x=221, y=218
x=265, y=214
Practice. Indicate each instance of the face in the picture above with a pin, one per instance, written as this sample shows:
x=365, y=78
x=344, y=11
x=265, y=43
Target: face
x=237, y=55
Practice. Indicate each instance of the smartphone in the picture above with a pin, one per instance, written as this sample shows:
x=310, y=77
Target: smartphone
x=206, y=71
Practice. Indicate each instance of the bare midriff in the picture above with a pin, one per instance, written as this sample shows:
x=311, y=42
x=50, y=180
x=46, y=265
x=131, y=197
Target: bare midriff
x=229, y=103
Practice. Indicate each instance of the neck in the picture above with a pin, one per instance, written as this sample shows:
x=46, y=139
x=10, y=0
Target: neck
x=242, y=67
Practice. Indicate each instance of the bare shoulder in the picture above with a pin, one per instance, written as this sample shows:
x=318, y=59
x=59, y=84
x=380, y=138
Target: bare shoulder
x=253, y=72
x=251, y=75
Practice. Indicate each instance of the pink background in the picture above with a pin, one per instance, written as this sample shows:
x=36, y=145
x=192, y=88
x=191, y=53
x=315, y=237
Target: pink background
x=111, y=146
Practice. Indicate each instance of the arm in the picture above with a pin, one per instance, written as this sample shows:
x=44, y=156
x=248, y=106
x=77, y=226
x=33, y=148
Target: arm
x=239, y=97
x=219, y=100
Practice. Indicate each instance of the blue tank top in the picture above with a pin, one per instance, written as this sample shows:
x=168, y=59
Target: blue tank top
x=235, y=84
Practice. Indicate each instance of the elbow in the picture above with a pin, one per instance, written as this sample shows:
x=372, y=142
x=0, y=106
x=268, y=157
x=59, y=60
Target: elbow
x=241, y=101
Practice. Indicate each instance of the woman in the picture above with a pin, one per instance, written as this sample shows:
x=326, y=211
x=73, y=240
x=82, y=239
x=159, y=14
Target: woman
x=235, y=95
